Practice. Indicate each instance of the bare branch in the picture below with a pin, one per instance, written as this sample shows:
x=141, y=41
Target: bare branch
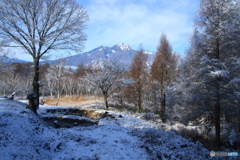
x=40, y=26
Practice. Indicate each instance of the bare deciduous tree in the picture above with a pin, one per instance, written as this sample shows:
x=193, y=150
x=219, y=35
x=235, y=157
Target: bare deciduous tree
x=55, y=77
x=3, y=57
x=105, y=75
x=39, y=26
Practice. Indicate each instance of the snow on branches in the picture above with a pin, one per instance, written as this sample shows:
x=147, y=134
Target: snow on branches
x=107, y=75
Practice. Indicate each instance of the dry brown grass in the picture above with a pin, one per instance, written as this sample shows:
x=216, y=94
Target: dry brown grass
x=73, y=101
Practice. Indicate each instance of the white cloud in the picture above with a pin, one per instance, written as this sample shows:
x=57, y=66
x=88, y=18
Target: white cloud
x=136, y=22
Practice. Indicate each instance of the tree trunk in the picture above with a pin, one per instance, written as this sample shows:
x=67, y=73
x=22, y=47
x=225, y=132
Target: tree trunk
x=139, y=99
x=105, y=100
x=163, y=68
x=35, y=82
x=164, y=103
x=238, y=124
x=58, y=85
x=217, y=106
x=217, y=118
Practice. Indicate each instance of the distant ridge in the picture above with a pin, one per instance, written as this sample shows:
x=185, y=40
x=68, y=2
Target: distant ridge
x=120, y=51
x=7, y=60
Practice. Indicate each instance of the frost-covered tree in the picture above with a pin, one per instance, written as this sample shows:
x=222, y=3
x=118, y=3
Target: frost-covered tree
x=4, y=56
x=69, y=83
x=51, y=83
x=231, y=109
x=55, y=76
x=138, y=72
x=40, y=26
x=16, y=78
x=107, y=75
x=79, y=73
x=2, y=61
x=209, y=63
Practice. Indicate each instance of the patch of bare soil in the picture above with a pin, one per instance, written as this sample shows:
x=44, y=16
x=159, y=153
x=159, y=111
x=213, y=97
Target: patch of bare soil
x=59, y=122
x=71, y=117
x=90, y=113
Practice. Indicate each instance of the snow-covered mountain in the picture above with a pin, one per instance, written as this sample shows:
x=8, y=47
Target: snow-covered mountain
x=120, y=51
x=121, y=47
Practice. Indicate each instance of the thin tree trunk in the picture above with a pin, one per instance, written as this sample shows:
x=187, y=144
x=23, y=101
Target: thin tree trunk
x=162, y=90
x=218, y=106
x=238, y=114
x=139, y=98
x=217, y=118
x=162, y=100
x=105, y=99
x=164, y=103
x=58, y=92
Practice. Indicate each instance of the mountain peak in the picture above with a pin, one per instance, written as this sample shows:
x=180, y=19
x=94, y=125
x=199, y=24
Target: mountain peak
x=121, y=46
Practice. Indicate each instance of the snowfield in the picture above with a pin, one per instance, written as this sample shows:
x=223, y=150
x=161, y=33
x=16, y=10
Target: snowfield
x=23, y=135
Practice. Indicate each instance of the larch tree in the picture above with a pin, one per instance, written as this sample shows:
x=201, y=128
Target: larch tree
x=40, y=26
x=138, y=71
x=214, y=48
x=164, y=68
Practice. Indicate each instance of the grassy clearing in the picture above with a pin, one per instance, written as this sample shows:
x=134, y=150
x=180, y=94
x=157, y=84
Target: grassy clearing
x=73, y=101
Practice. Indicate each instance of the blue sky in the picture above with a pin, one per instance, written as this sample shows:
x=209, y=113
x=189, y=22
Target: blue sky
x=138, y=21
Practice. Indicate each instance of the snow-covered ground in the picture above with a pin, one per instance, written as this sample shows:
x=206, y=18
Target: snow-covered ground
x=23, y=135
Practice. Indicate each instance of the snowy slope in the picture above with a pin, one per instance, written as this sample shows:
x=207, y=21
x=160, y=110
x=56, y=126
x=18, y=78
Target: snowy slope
x=121, y=46
x=120, y=51
x=24, y=135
